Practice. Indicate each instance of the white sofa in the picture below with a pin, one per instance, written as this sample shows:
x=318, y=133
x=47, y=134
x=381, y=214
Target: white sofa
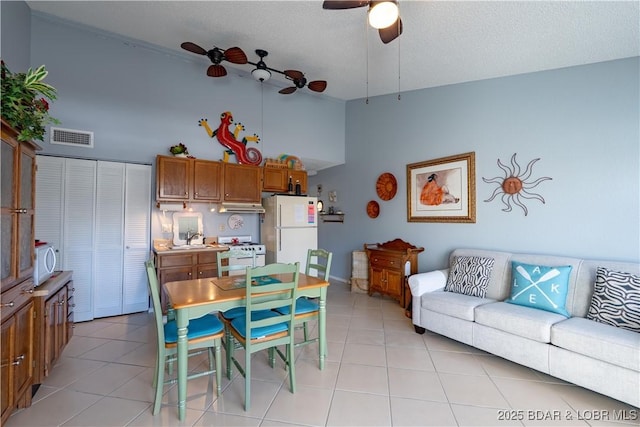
x=591, y=354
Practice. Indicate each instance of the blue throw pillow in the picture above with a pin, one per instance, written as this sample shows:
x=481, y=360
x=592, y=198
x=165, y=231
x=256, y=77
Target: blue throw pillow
x=541, y=287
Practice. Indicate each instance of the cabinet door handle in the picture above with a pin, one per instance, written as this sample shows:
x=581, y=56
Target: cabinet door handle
x=28, y=291
x=8, y=304
x=20, y=210
x=18, y=360
x=61, y=303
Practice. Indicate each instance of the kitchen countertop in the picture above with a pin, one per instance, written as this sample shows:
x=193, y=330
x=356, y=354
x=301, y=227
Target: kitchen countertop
x=168, y=249
x=53, y=284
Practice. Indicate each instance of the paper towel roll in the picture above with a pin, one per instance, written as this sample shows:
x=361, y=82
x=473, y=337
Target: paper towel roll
x=170, y=206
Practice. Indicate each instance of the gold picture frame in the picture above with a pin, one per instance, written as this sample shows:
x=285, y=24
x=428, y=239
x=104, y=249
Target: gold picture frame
x=442, y=190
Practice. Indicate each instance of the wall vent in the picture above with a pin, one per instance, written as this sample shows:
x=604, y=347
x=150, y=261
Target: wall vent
x=77, y=138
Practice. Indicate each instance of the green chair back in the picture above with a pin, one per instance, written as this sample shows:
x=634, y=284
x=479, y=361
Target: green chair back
x=318, y=263
x=234, y=253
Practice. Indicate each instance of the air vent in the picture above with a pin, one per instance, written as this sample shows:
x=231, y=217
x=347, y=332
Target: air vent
x=77, y=138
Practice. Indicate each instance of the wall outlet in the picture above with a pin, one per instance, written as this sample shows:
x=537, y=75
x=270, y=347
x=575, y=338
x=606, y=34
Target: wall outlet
x=221, y=227
x=166, y=228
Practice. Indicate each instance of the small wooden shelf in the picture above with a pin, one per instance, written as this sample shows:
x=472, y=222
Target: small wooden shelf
x=332, y=217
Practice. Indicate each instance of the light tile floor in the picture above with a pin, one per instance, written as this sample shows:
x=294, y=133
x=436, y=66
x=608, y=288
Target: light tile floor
x=379, y=373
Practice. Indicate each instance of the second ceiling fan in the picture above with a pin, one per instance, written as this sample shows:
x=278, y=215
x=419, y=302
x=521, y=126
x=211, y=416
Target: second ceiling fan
x=383, y=15
x=262, y=73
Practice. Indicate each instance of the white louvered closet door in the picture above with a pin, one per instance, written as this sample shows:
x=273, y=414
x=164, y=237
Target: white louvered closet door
x=49, y=203
x=137, y=240
x=110, y=189
x=78, y=232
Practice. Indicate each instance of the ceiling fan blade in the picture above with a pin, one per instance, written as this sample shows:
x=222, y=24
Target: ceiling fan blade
x=339, y=4
x=192, y=47
x=287, y=90
x=216, y=71
x=294, y=74
x=391, y=32
x=235, y=55
x=317, y=85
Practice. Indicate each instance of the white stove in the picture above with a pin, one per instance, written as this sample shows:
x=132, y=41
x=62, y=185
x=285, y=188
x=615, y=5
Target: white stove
x=245, y=243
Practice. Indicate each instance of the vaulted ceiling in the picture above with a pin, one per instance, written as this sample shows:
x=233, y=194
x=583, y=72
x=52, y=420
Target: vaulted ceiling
x=443, y=42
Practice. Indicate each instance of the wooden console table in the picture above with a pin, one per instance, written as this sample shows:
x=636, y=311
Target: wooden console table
x=388, y=270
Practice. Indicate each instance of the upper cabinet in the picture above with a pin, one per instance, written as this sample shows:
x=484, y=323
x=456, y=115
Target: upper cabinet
x=184, y=179
x=277, y=180
x=17, y=207
x=242, y=183
x=180, y=179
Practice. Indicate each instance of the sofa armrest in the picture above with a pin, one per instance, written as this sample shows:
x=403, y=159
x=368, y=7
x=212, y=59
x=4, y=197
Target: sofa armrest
x=428, y=282
x=423, y=283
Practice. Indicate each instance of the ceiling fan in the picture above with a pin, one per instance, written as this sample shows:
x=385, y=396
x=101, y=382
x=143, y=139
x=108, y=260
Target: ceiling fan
x=235, y=55
x=383, y=15
x=263, y=73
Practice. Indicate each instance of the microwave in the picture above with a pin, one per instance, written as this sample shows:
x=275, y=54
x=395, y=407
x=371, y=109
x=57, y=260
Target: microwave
x=44, y=264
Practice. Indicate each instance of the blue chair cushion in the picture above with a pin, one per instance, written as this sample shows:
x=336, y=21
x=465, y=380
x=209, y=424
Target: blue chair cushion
x=234, y=312
x=303, y=306
x=240, y=324
x=206, y=325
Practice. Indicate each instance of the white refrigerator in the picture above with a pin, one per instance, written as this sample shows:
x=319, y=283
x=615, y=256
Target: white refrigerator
x=289, y=228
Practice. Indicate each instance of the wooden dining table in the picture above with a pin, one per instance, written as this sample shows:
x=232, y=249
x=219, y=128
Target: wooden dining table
x=192, y=299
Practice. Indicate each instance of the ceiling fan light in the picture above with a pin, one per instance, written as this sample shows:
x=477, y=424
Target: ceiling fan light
x=383, y=14
x=261, y=75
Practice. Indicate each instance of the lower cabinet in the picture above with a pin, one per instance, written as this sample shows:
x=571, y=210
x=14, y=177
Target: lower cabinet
x=172, y=266
x=53, y=304
x=16, y=373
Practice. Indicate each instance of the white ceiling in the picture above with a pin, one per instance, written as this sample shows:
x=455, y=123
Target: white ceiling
x=443, y=42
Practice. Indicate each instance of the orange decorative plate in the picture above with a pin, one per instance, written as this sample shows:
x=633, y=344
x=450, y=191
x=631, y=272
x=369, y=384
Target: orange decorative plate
x=373, y=209
x=386, y=186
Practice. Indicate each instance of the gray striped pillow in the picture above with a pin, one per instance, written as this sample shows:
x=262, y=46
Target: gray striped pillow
x=470, y=276
x=616, y=299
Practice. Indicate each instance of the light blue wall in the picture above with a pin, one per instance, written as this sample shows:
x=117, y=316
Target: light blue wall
x=583, y=124
x=15, y=19
x=140, y=99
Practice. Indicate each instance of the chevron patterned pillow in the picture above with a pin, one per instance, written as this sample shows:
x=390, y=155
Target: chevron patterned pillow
x=470, y=276
x=616, y=299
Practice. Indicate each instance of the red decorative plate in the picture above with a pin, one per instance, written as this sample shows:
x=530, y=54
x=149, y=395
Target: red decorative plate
x=386, y=186
x=373, y=209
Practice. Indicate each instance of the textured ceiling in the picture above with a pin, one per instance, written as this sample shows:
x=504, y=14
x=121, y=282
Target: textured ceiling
x=444, y=42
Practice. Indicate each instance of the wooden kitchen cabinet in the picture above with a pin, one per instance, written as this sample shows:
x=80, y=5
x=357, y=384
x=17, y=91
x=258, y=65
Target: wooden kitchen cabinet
x=53, y=305
x=173, y=266
x=388, y=268
x=17, y=348
x=184, y=179
x=277, y=180
x=241, y=183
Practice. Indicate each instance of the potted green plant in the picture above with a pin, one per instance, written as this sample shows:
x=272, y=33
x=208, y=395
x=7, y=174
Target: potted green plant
x=179, y=150
x=24, y=102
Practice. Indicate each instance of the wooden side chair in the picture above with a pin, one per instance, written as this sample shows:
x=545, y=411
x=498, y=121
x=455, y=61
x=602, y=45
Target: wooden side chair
x=205, y=334
x=318, y=265
x=261, y=327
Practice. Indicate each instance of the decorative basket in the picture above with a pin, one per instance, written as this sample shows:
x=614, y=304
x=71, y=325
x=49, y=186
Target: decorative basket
x=275, y=164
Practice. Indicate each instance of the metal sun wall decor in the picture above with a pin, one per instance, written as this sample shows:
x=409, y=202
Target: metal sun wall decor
x=244, y=155
x=514, y=185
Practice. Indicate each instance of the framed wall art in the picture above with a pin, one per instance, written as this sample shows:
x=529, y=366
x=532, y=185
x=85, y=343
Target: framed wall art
x=442, y=190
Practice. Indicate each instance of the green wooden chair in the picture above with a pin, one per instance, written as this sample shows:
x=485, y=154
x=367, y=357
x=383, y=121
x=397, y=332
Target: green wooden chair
x=205, y=334
x=262, y=327
x=224, y=269
x=318, y=265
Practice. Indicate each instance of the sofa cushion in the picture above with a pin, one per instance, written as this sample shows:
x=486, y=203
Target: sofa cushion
x=597, y=340
x=470, y=276
x=616, y=299
x=539, y=286
x=518, y=320
x=452, y=304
